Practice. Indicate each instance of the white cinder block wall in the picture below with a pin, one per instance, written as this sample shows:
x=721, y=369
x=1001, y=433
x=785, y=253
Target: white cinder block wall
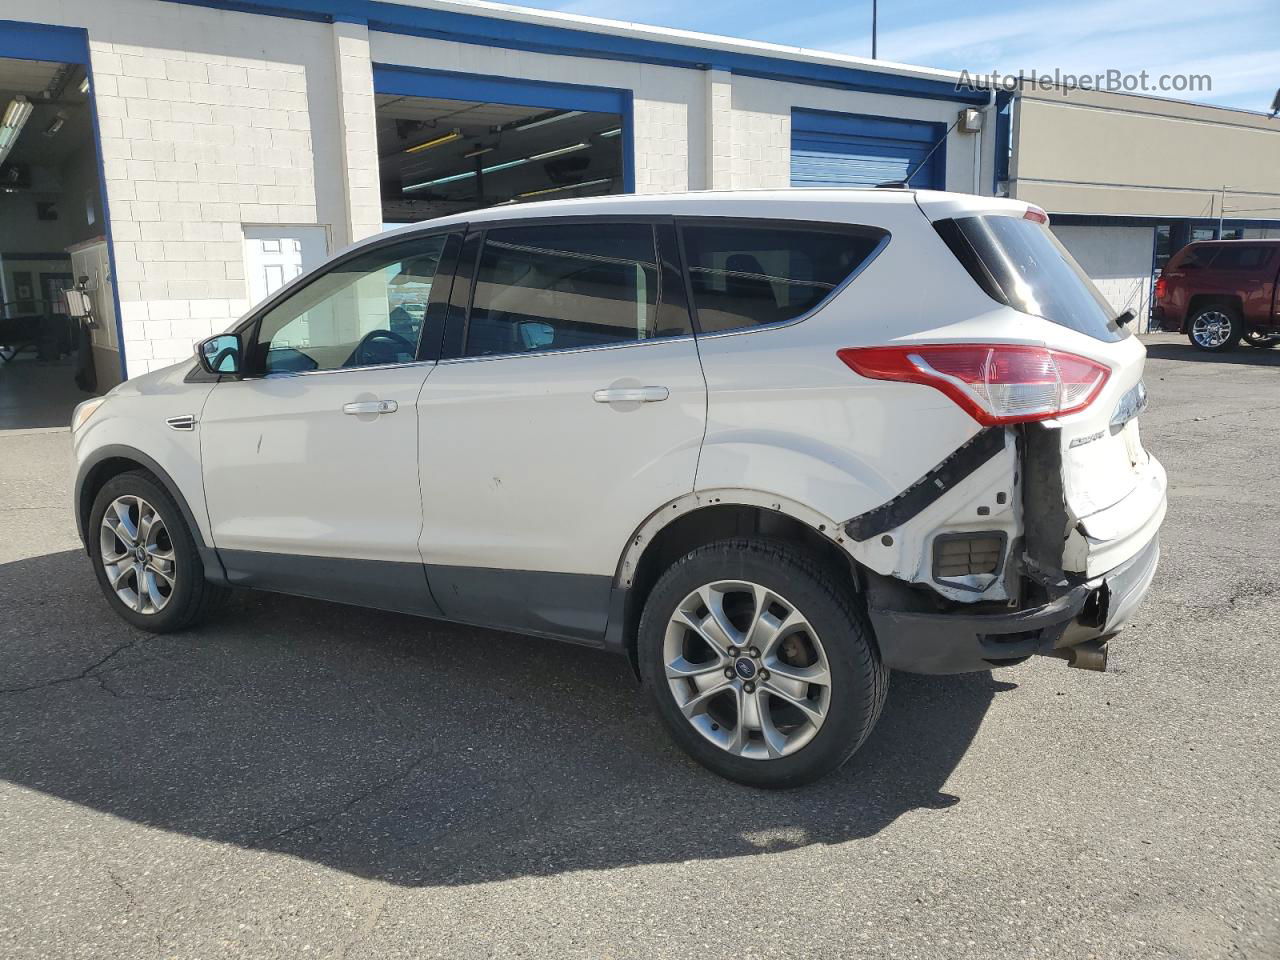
x=1118, y=259
x=215, y=120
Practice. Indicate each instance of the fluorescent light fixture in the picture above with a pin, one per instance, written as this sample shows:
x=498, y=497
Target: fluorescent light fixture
x=478, y=152
x=84, y=84
x=441, y=181
x=545, y=119
x=615, y=132
x=437, y=142
x=17, y=114
x=570, y=186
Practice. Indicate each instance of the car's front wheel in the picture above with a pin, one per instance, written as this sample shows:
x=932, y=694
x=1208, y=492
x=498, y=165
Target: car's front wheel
x=760, y=662
x=145, y=558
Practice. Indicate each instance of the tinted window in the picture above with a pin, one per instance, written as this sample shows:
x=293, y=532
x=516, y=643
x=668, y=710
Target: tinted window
x=562, y=286
x=1029, y=269
x=1243, y=257
x=366, y=311
x=745, y=276
x=1197, y=256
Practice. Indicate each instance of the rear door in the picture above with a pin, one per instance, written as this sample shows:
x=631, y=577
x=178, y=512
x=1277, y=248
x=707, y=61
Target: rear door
x=571, y=407
x=1248, y=270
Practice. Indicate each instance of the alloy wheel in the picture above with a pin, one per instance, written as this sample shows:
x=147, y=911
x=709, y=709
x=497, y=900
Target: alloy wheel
x=137, y=555
x=1211, y=329
x=747, y=669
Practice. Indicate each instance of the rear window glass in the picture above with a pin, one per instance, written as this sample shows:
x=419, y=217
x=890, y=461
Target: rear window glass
x=1021, y=263
x=1231, y=257
x=752, y=275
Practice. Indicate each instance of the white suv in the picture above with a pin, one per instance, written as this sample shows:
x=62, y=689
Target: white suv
x=767, y=445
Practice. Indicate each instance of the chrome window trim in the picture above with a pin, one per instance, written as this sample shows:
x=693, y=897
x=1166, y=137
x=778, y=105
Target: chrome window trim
x=620, y=345
x=315, y=373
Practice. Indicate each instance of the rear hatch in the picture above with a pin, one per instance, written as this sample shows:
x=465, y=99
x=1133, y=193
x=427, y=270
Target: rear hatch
x=1112, y=491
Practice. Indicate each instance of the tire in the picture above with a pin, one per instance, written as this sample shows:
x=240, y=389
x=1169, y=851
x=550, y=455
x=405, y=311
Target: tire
x=172, y=600
x=1256, y=338
x=835, y=642
x=1215, y=328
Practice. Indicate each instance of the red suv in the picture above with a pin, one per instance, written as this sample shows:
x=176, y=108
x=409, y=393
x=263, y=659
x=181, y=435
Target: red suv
x=1221, y=290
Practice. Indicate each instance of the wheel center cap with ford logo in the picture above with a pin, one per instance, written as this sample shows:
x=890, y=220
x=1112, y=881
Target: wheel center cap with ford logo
x=745, y=668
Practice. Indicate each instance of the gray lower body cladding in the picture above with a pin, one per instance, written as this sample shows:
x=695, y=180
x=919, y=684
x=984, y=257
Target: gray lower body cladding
x=921, y=641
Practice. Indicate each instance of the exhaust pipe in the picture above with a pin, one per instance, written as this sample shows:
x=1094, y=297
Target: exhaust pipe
x=1090, y=655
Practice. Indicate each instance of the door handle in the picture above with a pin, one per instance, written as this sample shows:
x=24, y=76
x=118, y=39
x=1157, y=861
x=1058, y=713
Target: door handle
x=631, y=395
x=362, y=407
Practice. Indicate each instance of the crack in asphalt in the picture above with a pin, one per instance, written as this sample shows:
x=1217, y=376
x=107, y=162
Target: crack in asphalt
x=130, y=904
x=380, y=787
x=101, y=680
x=88, y=673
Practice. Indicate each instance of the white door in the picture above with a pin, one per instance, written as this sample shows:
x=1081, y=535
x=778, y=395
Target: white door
x=310, y=463
x=275, y=255
x=576, y=410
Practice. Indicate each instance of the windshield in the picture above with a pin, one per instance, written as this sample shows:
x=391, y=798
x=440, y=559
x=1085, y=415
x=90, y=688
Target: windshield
x=1021, y=263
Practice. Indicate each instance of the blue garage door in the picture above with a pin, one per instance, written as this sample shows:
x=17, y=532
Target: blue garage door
x=849, y=150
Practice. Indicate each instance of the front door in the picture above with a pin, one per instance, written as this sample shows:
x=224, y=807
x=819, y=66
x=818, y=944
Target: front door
x=574, y=409
x=310, y=462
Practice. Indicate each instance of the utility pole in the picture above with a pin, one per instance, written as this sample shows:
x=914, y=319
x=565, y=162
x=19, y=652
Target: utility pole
x=874, y=12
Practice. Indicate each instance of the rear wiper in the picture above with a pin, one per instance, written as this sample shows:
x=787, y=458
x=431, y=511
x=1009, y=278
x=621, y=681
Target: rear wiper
x=1125, y=317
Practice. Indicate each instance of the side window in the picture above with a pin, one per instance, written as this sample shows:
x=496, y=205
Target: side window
x=1199, y=257
x=367, y=311
x=1232, y=257
x=560, y=286
x=750, y=275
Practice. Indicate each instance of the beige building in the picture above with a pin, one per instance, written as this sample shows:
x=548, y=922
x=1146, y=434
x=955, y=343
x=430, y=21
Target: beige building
x=1129, y=180
x=182, y=159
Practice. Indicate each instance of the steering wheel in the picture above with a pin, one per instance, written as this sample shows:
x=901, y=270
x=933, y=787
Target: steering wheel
x=379, y=346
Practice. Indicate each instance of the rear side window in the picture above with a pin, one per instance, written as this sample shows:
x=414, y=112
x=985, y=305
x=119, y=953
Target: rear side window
x=1232, y=257
x=563, y=286
x=752, y=275
x=1197, y=257
x=1021, y=263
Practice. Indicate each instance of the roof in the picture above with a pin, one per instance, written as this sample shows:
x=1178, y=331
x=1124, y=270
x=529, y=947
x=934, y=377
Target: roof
x=836, y=205
x=708, y=41
x=521, y=28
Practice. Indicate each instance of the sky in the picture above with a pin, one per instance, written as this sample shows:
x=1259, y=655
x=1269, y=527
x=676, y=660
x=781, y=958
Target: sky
x=1235, y=42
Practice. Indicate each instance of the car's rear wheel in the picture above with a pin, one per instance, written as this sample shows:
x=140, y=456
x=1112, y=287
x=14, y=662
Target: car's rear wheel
x=145, y=558
x=1215, y=328
x=760, y=662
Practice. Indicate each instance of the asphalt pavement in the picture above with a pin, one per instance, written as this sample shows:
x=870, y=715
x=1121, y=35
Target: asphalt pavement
x=301, y=779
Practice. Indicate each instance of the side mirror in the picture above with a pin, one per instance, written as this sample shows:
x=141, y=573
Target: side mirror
x=536, y=335
x=220, y=355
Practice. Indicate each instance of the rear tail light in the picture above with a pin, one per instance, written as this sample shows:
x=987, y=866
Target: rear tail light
x=1036, y=214
x=1161, y=285
x=994, y=383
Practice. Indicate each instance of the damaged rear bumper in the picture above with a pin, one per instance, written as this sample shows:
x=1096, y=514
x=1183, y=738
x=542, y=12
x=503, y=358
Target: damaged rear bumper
x=960, y=642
